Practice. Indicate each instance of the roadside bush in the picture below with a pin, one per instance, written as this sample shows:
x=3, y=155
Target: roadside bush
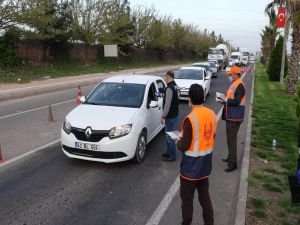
x=274, y=66
x=8, y=48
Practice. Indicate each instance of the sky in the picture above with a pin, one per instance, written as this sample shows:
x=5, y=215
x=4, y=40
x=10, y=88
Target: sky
x=239, y=21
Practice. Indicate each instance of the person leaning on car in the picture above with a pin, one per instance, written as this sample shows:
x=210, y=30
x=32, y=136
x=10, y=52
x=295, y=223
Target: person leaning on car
x=196, y=143
x=233, y=113
x=170, y=114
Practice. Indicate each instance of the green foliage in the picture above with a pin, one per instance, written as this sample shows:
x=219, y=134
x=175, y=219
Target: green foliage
x=8, y=48
x=275, y=61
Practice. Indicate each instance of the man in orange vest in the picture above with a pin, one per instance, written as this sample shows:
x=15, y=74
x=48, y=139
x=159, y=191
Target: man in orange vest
x=233, y=113
x=196, y=143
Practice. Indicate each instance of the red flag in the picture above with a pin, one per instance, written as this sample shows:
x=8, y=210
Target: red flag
x=280, y=21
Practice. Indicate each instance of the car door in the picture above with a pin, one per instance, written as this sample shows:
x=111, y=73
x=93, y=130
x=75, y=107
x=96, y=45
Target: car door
x=161, y=86
x=153, y=115
x=207, y=79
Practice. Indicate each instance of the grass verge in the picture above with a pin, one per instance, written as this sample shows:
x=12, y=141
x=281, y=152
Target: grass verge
x=274, y=116
x=23, y=74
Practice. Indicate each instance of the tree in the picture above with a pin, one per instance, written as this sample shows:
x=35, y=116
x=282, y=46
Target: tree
x=273, y=70
x=8, y=13
x=268, y=36
x=118, y=27
x=8, y=47
x=293, y=9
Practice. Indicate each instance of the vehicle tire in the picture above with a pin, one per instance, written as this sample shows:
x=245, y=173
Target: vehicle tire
x=208, y=93
x=141, y=145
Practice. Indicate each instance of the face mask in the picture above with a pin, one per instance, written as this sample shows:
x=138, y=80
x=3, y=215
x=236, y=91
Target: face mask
x=230, y=78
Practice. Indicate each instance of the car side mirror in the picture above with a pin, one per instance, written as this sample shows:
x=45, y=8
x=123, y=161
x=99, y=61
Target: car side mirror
x=153, y=104
x=82, y=99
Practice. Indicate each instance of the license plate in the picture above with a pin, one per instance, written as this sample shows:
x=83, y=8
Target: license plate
x=87, y=146
x=184, y=93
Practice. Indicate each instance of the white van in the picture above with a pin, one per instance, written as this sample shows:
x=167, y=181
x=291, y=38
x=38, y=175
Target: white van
x=236, y=58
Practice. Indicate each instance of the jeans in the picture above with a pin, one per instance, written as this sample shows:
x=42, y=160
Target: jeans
x=171, y=145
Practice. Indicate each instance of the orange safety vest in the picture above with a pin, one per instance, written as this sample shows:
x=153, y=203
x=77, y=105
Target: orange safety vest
x=197, y=160
x=235, y=113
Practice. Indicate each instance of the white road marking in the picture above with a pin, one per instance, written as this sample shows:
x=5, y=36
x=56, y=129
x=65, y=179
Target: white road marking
x=5, y=163
x=167, y=199
x=36, y=109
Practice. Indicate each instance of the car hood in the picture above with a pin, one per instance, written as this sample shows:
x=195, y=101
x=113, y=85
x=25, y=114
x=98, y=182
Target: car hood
x=100, y=117
x=182, y=83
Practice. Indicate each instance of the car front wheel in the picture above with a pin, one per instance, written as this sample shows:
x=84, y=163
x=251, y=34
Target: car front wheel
x=140, y=151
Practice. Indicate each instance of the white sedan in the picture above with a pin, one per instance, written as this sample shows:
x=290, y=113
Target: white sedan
x=116, y=121
x=186, y=76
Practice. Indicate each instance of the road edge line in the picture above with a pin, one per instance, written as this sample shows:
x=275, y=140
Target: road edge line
x=240, y=216
x=10, y=161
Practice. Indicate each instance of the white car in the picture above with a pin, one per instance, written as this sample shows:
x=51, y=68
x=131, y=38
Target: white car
x=116, y=121
x=216, y=62
x=207, y=67
x=186, y=76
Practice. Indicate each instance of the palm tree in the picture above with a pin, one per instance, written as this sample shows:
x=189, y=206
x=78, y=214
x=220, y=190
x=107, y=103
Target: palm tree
x=293, y=9
x=269, y=35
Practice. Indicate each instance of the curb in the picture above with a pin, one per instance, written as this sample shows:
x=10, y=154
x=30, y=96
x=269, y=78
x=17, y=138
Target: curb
x=240, y=217
x=44, y=88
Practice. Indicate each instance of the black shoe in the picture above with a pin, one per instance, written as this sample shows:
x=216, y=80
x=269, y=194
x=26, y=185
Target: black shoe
x=169, y=159
x=165, y=155
x=231, y=167
x=225, y=160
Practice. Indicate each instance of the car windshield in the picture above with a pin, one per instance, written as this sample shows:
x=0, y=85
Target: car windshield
x=189, y=74
x=234, y=56
x=203, y=66
x=215, y=52
x=117, y=94
x=212, y=64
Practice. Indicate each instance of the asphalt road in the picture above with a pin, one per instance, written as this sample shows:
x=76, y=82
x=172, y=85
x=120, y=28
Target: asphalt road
x=49, y=188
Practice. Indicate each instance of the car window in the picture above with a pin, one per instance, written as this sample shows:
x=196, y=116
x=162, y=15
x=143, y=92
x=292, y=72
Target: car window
x=152, y=93
x=189, y=74
x=161, y=86
x=212, y=64
x=117, y=94
x=202, y=65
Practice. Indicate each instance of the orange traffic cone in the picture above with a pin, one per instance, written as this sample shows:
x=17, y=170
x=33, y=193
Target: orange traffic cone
x=78, y=95
x=1, y=158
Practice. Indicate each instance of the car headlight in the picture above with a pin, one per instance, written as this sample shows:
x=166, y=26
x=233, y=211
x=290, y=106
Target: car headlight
x=120, y=131
x=67, y=127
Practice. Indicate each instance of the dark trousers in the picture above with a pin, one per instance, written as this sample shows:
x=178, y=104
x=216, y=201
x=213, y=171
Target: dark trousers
x=232, y=129
x=187, y=190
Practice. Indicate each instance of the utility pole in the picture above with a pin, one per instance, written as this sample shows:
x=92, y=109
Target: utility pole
x=286, y=34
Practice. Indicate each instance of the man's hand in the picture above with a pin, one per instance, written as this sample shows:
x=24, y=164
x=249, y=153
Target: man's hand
x=162, y=120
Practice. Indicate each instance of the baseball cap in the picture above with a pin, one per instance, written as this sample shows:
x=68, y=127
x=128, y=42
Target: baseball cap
x=234, y=69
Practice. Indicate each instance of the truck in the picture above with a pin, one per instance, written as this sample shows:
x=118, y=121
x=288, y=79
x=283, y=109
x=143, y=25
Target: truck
x=220, y=53
x=236, y=58
x=246, y=56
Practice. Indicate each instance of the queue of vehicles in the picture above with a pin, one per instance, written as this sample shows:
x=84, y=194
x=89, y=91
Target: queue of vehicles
x=122, y=114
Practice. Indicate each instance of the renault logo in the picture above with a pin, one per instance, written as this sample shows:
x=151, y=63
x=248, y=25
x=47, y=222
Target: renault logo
x=88, y=132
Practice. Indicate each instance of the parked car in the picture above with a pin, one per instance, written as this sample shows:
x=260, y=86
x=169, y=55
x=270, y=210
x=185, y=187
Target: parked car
x=205, y=65
x=186, y=76
x=116, y=121
x=216, y=62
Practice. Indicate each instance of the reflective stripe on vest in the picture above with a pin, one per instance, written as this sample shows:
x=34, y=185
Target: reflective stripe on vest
x=232, y=89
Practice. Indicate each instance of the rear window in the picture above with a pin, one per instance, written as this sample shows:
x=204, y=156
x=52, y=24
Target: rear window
x=189, y=74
